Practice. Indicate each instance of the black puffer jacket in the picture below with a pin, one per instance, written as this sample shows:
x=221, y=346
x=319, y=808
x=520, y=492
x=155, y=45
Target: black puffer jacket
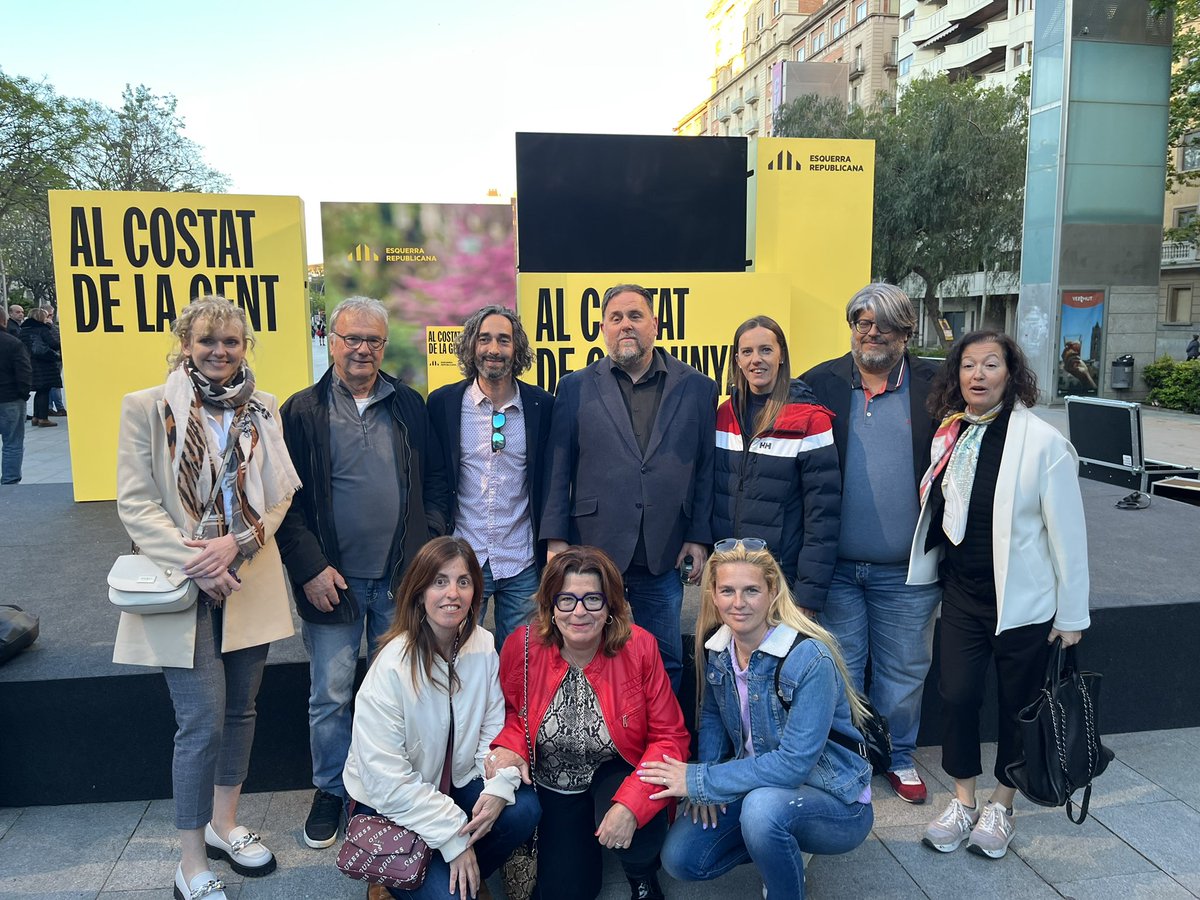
x=784, y=487
x=45, y=351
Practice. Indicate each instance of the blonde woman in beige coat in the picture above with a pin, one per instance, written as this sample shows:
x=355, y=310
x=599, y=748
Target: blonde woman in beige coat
x=172, y=443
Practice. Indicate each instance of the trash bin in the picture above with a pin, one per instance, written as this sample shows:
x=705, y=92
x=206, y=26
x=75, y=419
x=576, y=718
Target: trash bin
x=1122, y=373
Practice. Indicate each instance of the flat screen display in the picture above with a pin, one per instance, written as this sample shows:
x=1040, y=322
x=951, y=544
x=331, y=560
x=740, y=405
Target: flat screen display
x=630, y=203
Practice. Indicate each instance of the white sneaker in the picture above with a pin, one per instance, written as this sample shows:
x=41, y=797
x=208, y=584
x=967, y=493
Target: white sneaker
x=994, y=831
x=951, y=828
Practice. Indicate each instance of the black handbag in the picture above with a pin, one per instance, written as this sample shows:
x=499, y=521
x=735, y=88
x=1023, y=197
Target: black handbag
x=1060, y=734
x=18, y=629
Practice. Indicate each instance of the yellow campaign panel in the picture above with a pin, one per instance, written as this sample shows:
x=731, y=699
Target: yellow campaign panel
x=697, y=314
x=126, y=263
x=811, y=219
x=441, y=360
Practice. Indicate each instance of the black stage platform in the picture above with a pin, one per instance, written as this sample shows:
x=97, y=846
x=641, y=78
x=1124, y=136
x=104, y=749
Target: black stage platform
x=75, y=728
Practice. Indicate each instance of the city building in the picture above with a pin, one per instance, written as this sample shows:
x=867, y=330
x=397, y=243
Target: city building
x=991, y=40
x=757, y=44
x=1179, y=282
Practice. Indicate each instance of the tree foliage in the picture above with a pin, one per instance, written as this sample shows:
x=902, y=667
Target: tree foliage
x=141, y=147
x=949, y=176
x=50, y=142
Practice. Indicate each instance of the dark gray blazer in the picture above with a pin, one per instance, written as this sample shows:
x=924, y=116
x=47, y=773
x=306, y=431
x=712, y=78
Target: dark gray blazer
x=599, y=486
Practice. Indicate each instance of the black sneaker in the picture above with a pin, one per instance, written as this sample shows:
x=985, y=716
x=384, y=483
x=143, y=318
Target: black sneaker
x=321, y=826
x=645, y=888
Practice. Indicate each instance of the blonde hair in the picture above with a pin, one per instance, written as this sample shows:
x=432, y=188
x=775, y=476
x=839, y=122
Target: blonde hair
x=201, y=316
x=782, y=611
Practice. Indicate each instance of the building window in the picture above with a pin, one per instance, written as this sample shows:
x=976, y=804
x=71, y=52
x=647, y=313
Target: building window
x=839, y=27
x=800, y=54
x=860, y=11
x=1189, y=157
x=895, y=47
x=1020, y=55
x=819, y=41
x=854, y=94
x=1185, y=216
x=761, y=21
x=906, y=23
x=776, y=7
x=1179, y=305
x=905, y=66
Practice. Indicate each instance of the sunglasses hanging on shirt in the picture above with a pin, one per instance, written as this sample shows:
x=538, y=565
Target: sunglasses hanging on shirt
x=498, y=420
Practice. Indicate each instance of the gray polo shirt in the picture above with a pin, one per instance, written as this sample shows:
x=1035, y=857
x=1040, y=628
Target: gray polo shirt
x=368, y=489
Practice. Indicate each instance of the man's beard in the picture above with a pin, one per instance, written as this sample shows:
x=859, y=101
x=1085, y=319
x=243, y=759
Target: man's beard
x=485, y=367
x=624, y=354
x=877, y=358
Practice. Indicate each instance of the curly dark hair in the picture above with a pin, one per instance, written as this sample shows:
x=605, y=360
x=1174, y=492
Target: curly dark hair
x=945, y=395
x=465, y=348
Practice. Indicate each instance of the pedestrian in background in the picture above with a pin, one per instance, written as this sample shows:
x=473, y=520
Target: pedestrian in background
x=45, y=351
x=16, y=378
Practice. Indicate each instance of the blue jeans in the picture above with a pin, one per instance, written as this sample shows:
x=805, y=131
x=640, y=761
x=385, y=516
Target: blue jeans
x=768, y=827
x=871, y=611
x=514, y=600
x=656, y=602
x=12, y=435
x=57, y=401
x=510, y=830
x=333, y=661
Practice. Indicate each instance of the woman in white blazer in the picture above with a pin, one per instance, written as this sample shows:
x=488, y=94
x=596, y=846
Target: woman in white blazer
x=172, y=441
x=424, y=720
x=1002, y=526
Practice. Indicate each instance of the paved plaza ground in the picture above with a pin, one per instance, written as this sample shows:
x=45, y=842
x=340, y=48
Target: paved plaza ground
x=1142, y=839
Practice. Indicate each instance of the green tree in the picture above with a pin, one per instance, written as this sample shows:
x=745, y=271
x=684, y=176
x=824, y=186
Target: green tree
x=141, y=147
x=1183, y=108
x=949, y=177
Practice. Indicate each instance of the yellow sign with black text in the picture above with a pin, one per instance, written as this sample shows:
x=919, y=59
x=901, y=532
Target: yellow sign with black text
x=697, y=314
x=441, y=357
x=810, y=220
x=126, y=263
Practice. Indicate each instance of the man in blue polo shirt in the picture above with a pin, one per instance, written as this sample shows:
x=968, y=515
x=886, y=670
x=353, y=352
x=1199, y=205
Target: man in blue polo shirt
x=882, y=430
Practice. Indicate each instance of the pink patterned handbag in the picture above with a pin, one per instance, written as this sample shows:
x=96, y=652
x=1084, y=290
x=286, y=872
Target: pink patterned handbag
x=381, y=852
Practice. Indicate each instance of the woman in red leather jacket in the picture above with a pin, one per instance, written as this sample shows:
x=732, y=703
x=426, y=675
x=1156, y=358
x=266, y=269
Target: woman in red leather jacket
x=600, y=704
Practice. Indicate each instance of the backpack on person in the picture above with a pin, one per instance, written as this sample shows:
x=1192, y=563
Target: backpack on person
x=876, y=745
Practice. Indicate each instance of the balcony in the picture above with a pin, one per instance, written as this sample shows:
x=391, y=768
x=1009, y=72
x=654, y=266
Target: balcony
x=723, y=112
x=750, y=128
x=889, y=61
x=857, y=70
x=752, y=96
x=738, y=104
x=1178, y=253
x=997, y=34
x=961, y=56
x=925, y=30
x=969, y=13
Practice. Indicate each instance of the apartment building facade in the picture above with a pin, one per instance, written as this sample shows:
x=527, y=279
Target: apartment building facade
x=754, y=39
x=991, y=40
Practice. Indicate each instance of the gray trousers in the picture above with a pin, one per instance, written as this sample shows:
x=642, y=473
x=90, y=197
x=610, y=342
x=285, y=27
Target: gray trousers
x=214, y=712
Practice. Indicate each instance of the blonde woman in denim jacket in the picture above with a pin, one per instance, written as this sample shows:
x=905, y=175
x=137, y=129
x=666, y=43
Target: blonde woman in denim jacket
x=770, y=782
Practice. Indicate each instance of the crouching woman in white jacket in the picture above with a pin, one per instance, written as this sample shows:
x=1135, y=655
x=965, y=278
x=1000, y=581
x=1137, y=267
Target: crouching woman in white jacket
x=434, y=690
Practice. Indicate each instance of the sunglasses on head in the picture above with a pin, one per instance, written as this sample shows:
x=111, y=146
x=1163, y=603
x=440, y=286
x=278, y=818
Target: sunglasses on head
x=749, y=544
x=498, y=420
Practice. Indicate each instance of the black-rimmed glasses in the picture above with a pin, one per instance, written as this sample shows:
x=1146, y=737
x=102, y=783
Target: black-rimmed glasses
x=863, y=326
x=592, y=602
x=751, y=545
x=498, y=420
x=354, y=341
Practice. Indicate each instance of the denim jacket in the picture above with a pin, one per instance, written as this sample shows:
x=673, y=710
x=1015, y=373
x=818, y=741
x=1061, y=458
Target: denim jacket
x=791, y=747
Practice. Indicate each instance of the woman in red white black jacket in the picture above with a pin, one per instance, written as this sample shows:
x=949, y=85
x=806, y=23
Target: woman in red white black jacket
x=777, y=474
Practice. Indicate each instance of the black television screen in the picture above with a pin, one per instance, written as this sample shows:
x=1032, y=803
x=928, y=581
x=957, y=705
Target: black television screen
x=630, y=203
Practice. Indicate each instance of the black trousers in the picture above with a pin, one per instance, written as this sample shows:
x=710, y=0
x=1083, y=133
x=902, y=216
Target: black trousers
x=41, y=403
x=569, y=858
x=968, y=644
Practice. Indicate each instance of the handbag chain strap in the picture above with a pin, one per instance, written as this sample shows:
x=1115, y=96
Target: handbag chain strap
x=525, y=709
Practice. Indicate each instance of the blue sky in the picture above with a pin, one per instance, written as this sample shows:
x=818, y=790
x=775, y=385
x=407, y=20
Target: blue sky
x=373, y=100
